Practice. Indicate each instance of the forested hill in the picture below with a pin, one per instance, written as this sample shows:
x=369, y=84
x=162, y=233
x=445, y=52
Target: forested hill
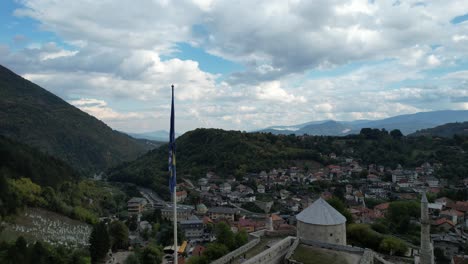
x=34, y=116
x=235, y=153
x=447, y=130
x=226, y=152
x=21, y=161
x=30, y=178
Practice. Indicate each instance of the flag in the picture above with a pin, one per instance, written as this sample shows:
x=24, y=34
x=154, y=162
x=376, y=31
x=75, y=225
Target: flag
x=172, y=149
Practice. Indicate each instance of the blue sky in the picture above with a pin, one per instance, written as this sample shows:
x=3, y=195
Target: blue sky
x=243, y=65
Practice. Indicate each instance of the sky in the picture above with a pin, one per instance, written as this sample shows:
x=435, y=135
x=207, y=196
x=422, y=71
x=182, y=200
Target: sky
x=240, y=65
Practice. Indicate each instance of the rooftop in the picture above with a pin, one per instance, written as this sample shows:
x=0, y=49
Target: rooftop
x=321, y=213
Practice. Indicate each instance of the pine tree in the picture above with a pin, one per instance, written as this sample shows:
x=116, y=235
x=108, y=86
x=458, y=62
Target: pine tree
x=99, y=242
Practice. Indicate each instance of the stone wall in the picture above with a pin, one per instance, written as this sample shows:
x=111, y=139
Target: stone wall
x=333, y=234
x=254, y=240
x=273, y=255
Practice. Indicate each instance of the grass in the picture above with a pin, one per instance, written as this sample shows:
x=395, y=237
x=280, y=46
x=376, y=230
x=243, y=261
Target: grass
x=308, y=255
x=260, y=247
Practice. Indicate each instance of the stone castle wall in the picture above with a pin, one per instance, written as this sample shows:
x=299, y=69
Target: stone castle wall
x=254, y=240
x=332, y=234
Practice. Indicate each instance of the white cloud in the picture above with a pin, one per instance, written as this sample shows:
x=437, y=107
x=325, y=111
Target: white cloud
x=272, y=91
x=102, y=111
x=125, y=54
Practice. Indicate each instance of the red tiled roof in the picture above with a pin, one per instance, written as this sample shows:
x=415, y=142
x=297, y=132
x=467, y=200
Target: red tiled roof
x=198, y=250
x=382, y=206
x=460, y=259
x=452, y=212
x=442, y=221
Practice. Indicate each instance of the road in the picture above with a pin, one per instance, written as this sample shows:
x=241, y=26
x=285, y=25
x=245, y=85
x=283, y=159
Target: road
x=152, y=197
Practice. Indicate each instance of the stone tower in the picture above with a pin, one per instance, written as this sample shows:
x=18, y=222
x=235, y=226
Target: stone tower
x=323, y=223
x=426, y=254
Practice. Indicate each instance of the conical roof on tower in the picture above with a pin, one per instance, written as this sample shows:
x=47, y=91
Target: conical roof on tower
x=321, y=213
x=424, y=198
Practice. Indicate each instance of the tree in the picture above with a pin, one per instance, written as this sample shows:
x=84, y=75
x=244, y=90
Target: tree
x=118, y=232
x=215, y=251
x=340, y=207
x=197, y=260
x=225, y=236
x=132, y=223
x=39, y=253
x=99, y=242
x=393, y=246
x=151, y=255
x=241, y=238
x=132, y=259
x=396, y=134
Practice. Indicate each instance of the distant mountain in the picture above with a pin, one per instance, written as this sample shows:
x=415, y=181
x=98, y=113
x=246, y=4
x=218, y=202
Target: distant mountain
x=405, y=123
x=34, y=116
x=158, y=135
x=447, y=130
x=330, y=128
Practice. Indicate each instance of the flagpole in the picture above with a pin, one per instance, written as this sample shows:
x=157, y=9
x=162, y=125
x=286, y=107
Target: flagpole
x=174, y=191
x=176, y=259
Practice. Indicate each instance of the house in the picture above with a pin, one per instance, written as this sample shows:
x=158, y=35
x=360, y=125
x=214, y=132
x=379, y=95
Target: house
x=446, y=202
x=443, y=224
x=202, y=181
x=284, y=194
x=432, y=182
x=435, y=208
x=193, y=228
x=205, y=188
x=183, y=212
x=181, y=196
x=261, y=189
x=460, y=259
x=247, y=198
x=381, y=209
x=277, y=221
x=246, y=224
x=136, y=205
x=227, y=213
x=225, y=187
x=453, y=215
x=234, y=196
x=241, y=188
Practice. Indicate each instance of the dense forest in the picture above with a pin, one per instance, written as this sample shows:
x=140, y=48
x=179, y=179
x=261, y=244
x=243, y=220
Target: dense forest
x=31, y=178
x=447, y=130
x=234, y=153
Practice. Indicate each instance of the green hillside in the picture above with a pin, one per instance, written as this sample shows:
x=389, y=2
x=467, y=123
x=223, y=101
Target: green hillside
x=234, y=153
x=225, y=152
x=32, y=115
x=30, y=178
x=447, y=130
x=19, y=160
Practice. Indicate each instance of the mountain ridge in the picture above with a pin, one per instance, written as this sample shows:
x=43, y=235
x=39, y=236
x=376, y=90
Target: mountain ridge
x=407, y=124
x=36, y=117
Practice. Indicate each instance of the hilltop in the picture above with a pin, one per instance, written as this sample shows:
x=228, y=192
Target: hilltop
x=34, y=116
x=447, y=130
x=407, y=124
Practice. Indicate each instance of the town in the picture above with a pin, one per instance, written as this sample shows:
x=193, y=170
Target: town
x=270, y=200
